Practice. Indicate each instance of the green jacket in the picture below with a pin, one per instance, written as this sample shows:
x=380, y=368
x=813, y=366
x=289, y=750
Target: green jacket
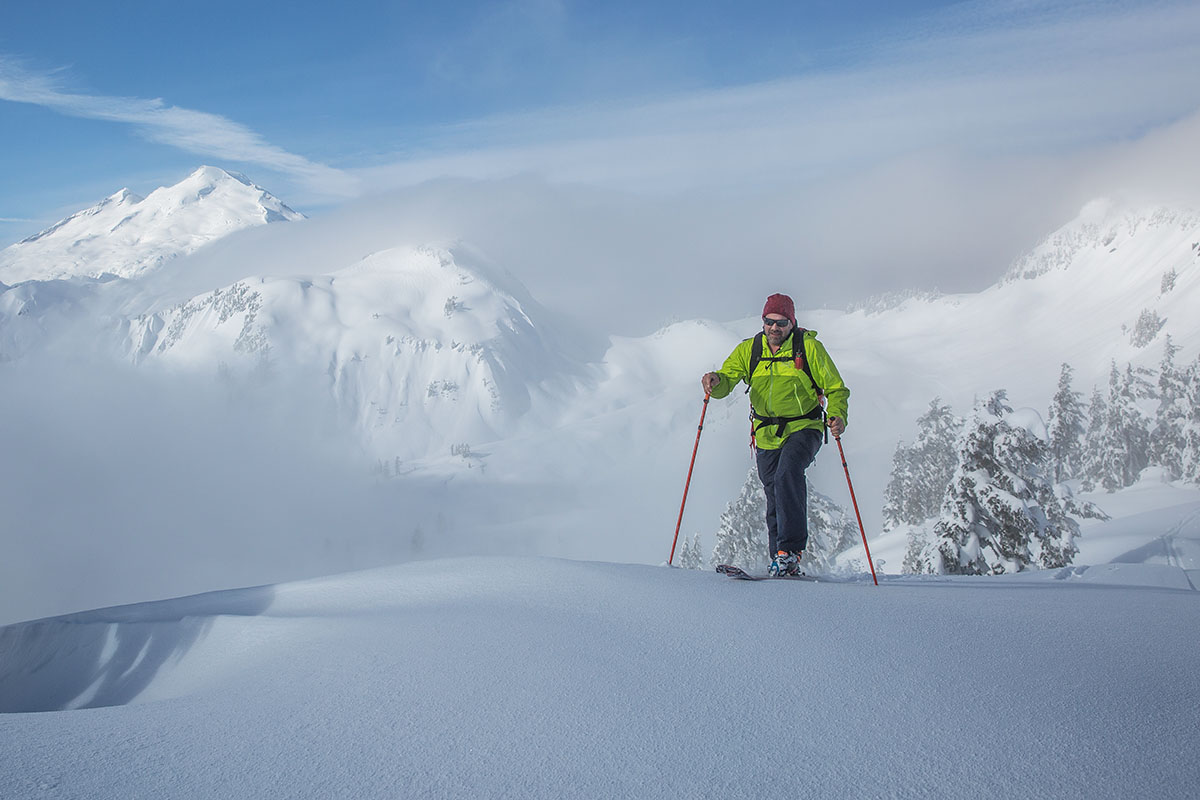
x=780, y=389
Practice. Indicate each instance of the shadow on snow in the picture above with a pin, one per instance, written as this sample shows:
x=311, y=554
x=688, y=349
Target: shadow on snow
x=109, y=656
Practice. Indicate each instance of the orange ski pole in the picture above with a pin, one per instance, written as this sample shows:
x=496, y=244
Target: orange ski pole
x=688, y=483
x=861, y=529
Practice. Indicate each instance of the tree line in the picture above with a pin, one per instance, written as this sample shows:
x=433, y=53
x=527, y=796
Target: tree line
x=992, y=493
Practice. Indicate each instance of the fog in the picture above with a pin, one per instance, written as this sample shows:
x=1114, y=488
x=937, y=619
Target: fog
x=933, y=157
x=628, y=262
x=121, y=485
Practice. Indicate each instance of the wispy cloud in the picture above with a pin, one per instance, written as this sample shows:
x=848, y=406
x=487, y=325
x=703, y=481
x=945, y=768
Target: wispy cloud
x=1041, y=78
x=197, y=132
x=932, y=158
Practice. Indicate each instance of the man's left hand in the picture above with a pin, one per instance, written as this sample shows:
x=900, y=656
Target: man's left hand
x=836, y=426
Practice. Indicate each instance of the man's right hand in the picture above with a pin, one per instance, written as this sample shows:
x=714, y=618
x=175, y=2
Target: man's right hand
x=710, y=381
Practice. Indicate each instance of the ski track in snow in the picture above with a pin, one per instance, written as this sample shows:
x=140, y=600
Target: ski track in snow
x=546, y=678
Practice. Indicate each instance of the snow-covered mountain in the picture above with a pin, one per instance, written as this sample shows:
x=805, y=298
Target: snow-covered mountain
x=128, y=236
x=1108, y=231
x=1106, y=287
x=422, y=348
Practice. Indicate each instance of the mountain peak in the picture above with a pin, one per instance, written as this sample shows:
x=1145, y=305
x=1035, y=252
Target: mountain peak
x=123, y=197
x=214, y=175
x=127, y=235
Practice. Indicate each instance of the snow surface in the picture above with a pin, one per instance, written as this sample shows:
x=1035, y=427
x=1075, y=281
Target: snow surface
x=543, y=678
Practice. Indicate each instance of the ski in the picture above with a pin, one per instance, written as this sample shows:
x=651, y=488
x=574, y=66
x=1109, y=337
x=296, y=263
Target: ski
x=740, y=574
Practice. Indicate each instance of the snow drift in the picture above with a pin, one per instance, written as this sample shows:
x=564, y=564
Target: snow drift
x=551, y=679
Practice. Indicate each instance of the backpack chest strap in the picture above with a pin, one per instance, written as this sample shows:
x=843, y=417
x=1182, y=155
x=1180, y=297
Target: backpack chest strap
x=798, y=357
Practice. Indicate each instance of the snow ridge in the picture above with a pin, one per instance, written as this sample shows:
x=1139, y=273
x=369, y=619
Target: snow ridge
x=1104, y=227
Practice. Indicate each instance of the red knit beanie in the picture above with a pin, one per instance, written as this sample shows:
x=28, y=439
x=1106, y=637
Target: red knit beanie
x=781, y=304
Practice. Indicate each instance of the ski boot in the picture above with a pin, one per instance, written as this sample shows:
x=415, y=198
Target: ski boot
x=784, y=564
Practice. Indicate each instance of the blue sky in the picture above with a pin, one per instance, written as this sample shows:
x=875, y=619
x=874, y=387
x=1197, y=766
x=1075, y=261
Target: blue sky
x=378, y=82
x=896, y=115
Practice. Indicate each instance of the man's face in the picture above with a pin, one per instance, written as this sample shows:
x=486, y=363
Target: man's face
x=776, y=333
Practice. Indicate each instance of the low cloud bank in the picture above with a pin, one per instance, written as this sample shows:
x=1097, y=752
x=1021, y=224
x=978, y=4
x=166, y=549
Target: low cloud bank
x=121, y=485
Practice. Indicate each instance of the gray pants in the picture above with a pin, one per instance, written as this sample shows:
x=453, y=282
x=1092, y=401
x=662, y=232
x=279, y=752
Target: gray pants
x=782, y=474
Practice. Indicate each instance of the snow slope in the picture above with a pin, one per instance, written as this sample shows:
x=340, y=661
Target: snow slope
x=129, y=236
x=552, y=679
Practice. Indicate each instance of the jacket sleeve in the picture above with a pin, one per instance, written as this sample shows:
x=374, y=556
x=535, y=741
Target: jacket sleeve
x=837, y=395
x=734, y=370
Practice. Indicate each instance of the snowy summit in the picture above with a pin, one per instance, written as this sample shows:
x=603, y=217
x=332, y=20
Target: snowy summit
x=129, y=236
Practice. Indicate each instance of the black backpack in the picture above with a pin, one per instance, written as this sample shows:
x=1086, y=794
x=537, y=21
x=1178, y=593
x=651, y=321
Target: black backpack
x=800, y=359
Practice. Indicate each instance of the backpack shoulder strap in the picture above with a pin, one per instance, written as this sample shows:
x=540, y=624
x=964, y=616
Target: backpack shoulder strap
x=756, y=356
x=801, y=354
x=756, y=350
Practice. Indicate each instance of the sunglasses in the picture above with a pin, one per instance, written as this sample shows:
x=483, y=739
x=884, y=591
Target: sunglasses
x=782, y=323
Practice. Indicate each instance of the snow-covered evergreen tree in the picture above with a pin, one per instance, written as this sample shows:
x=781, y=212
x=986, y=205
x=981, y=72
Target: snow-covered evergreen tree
x=691, y=557
x=1190, y=457
x=1075, y=507
x=921, y=554
x=901, y=491
x=921, y=473
x=1148, y=324
x=742, y=534
x=1066, y=426
x=1093, y=441
x=920, y=479
x=1125, y=443
x=832, y=530
x=1168, y=441
x=1004, y=512
x=685, y=553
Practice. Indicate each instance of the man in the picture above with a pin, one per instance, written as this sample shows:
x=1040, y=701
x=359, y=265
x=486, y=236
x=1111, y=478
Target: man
x=785, y=403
